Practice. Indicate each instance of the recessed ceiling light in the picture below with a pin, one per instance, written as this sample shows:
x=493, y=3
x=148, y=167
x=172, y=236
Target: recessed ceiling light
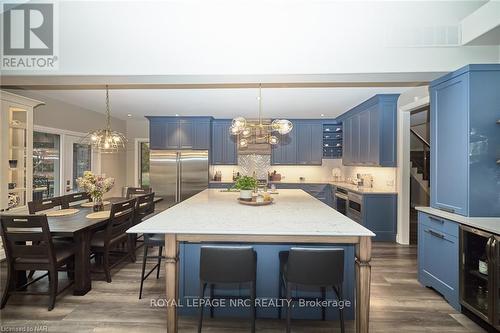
x=322, y=115
x=129, y=115
x=177, y=115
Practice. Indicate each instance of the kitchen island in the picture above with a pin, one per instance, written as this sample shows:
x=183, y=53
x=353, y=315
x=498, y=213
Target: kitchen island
x=294, y=218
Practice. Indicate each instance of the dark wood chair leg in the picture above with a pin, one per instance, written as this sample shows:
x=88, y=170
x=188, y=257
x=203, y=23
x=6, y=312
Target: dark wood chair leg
x=200, y=314
x=323, y=298
x=280, y=291
x=254, y=310
x=143, y=269
x=159, y=262
x=131, y=247
x=105, y=267
x=289, y=307
x=211, y=299
x=52, y=288
x=340, y=297
x=11, y=284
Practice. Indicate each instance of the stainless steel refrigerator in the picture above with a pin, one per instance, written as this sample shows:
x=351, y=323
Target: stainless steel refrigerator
x=177, y=175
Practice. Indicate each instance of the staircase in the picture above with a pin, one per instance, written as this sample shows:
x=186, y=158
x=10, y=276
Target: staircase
x=419, y=181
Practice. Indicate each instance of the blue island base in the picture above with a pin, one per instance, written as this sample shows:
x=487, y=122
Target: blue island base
x=268, y=303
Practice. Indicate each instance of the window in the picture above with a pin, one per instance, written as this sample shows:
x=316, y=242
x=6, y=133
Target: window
x=82, y=161
x=46, y=165
x=144, y=164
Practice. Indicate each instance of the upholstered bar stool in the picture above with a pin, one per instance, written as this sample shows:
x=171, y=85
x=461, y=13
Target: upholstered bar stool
x=312, y=267
x=227, y=264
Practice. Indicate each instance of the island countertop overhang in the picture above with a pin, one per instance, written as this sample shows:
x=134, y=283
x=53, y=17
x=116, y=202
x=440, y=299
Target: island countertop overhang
x=212, y=212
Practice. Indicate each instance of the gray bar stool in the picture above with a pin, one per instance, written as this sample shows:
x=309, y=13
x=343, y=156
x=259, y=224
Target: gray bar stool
x=227, y=264
x=316, y=267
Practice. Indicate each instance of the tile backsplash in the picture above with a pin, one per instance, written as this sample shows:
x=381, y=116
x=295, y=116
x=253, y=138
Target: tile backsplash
x=384, y=178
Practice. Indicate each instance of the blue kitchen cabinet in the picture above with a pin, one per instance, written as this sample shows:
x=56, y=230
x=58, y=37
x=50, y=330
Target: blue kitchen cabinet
x=364, y=137
x=379, y=214
x=224, y=146
x=186, y=134
x=464, y=141
x=438, y=256
x=179, y=133
x=302, y=146
x=309, y=142
x=285, y=153
x=172, y=131
x=347, y=142
x=370, y=132
x=157, y=134
x=355, y=139
x=202, y=134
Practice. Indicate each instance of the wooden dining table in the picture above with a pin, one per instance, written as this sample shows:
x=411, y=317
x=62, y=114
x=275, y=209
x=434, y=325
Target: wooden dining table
x=80, y=229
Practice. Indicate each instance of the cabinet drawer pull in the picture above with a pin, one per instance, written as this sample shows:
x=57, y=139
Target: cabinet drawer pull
x=436, y=219
x=435, y=234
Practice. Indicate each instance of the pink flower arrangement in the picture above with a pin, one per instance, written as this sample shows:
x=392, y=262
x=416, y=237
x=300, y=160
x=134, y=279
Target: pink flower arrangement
x=95, y=185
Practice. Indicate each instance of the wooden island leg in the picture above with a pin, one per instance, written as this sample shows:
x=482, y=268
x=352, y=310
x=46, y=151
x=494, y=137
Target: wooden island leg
x=363, y=276
x=171, y=268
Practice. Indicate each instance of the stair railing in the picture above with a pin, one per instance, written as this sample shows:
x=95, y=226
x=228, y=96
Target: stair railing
x=426, y=147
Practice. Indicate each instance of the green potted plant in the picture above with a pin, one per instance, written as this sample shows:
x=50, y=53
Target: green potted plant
x=246, y=185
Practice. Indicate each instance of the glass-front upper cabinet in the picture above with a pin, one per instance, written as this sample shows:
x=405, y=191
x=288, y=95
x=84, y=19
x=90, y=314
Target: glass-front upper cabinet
x=16, y=151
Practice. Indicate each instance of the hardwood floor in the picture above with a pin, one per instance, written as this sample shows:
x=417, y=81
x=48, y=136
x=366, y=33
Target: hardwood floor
x=399, y=304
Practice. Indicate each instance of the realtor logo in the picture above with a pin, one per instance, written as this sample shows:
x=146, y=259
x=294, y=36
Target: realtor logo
x=28, y=36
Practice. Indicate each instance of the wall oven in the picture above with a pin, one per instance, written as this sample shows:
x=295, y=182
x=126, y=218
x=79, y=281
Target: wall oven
x=480, y=274
x=355, y=207
x=341, y=200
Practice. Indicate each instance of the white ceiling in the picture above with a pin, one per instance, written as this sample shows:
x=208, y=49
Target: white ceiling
x=221, y=103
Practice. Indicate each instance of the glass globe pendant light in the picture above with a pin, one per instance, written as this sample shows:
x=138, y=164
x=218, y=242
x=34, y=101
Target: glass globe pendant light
x=106, y=140
x=250, y=132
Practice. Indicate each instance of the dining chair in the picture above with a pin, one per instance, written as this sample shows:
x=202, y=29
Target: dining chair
x=133, y=192
x=227, y=264
x=312, y=267
x=28, y=246
x=114, y=234
x=36, y=206
x=78, y=198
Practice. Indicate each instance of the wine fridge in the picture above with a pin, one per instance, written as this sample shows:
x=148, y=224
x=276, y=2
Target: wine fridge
x=480, y=274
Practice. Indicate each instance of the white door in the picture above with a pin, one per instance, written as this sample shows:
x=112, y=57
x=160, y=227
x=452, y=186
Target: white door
x=78, y=158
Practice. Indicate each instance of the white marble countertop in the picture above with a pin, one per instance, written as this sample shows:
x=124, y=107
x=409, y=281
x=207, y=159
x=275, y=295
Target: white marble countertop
x=490, y=224
x=294, y=213
x=347, y=186
x=364, y=190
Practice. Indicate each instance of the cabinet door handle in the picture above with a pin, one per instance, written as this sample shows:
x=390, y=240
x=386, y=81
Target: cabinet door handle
x=435, y=234
x=436, y=219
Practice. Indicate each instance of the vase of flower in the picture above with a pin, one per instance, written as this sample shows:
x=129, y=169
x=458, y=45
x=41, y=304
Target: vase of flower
x=95, y=186
x=98, y=204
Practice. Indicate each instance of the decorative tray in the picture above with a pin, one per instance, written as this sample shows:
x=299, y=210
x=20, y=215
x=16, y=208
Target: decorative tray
x=254, y=202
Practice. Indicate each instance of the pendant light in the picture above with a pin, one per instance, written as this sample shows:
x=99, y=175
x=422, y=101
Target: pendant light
x=251, y=132
x=106, y=140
